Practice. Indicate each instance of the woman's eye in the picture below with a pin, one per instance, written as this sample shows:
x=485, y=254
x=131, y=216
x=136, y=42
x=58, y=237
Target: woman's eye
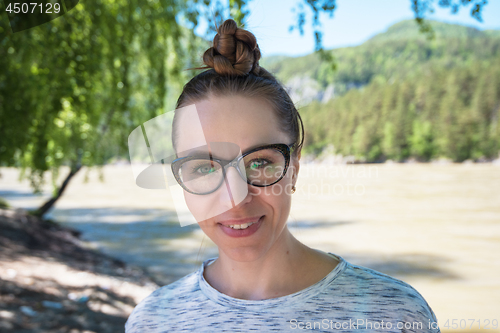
x=255, y=164
x=204, y=169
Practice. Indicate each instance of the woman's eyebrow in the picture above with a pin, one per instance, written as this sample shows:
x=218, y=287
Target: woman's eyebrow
x=201, y=154
x=205, y=153
x=199, y=151
x=260, y=145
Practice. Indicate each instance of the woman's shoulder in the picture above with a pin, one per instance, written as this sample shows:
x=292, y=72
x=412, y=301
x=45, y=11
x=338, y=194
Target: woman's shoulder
x=184, y=286
x=372, y=282
x=367, y=288
x=170, y=299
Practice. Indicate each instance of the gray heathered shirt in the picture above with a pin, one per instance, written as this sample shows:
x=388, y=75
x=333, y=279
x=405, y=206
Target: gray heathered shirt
x=350, y=298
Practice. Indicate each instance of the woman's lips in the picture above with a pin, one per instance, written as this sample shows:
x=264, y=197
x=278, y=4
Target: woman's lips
x=240, y=221
x=224, y=225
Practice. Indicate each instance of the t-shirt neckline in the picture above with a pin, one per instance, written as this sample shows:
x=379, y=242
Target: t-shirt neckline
x=225, y=300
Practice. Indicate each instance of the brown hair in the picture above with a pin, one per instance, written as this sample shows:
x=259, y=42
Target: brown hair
x=233, y=63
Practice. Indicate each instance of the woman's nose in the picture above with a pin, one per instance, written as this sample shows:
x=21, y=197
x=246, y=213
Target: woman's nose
x=235, y=188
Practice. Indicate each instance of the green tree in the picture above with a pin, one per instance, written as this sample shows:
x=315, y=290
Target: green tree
x=389, y=141
x=75, y=93
x=72, y=89
x=421, y=140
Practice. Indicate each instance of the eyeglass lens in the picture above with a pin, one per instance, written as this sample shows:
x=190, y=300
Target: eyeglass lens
x=261, y=168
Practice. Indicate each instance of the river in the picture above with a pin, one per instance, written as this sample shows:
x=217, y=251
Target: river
x=435, y=226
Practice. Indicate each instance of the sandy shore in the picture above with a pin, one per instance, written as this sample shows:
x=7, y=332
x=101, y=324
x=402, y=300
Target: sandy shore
x=51, y=282
x=436, y=227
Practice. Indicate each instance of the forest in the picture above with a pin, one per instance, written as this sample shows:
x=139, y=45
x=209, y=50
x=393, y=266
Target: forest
x=401, y=95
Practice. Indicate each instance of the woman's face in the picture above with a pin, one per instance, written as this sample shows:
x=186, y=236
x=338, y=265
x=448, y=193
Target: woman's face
x=247, y=123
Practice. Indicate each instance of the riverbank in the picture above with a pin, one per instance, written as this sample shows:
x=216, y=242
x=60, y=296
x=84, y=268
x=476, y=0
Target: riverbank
x=435, y=226
x=50, y=281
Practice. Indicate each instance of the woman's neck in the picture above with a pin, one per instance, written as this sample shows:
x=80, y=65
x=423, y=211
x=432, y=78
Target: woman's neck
x=289, y=266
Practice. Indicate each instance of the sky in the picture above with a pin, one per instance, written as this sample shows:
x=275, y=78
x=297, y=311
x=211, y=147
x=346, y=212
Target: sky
x=353, y=22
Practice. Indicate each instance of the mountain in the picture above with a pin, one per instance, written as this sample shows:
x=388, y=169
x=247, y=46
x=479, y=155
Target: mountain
x=409, y=30
x=399, y=52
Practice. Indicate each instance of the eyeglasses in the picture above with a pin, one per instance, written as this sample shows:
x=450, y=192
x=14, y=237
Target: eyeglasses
x=262, y=166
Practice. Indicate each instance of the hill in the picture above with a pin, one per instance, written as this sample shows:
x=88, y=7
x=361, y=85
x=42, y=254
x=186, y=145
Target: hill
x=401, y=96
x=399, y=52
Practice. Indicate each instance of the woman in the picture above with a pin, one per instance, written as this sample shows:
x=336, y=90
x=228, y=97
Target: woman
x=264, y=278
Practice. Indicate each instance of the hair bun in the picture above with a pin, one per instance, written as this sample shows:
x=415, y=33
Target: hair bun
x=234, y=52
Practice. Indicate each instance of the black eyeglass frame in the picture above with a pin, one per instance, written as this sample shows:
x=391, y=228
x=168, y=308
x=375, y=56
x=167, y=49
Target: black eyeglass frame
x=284, y=149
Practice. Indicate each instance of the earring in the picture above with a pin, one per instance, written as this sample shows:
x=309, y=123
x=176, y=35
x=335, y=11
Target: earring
x=293, y=189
